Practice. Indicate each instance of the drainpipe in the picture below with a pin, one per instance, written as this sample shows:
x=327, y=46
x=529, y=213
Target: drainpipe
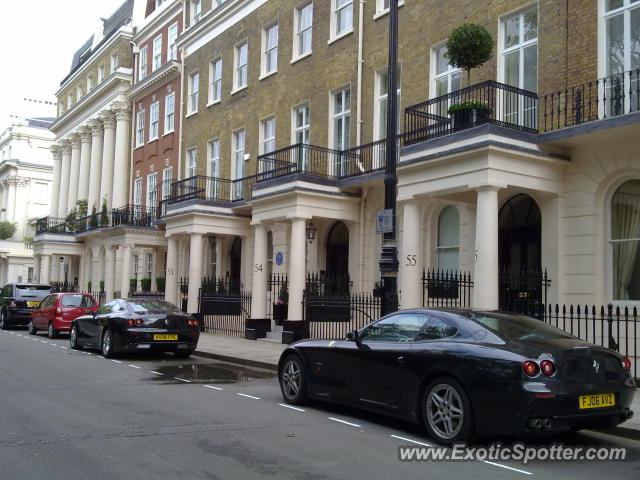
x=360, y=66
x=180, y=140
x=363, y=203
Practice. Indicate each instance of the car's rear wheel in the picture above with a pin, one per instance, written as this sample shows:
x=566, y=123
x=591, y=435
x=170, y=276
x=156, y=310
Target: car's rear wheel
x=32, y=329
x=446, y=411
x=293, y=381
x=73, y=338
x=183, y=353
x=107, y=344
x=52, y=332
x=4, y=323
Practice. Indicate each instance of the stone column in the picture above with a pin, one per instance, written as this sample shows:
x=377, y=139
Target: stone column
x=36, y=268
x=74, y=174
x=82, y=270
x=56, y=155
x=110, y=279
x=122, y=156
x=259, y=291
x=64, y=179
x=44, y=268
x=411, y=258
x=126, y=269
x=95, y=166
x=108, y=152
x=171, y=280
x=85, y=163
x=195, y=272
x=485, y=273
x=297, y=268
x=11, y=186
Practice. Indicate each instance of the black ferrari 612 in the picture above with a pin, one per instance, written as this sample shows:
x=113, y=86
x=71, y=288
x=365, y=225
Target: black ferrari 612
x=465, y=374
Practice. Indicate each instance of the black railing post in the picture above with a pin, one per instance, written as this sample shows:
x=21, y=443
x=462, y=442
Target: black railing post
x=612, y=342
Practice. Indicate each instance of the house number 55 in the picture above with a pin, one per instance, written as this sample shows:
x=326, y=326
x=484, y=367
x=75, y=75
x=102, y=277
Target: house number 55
x=411, y=261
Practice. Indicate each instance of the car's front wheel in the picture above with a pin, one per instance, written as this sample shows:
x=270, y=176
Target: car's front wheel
x=293, y=382
x=73, y=338
x=107, y=344
x=32, y=329
x=52, y=332
x=446, y=411
x=4, y=324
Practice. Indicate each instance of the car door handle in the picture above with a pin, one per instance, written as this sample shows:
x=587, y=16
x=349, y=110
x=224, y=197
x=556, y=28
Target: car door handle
x=401, y=359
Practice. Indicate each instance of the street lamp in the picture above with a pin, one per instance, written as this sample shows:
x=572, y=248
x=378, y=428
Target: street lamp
x=389, y=254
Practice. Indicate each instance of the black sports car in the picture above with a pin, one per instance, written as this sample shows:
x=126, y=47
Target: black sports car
x=464, y=374
x=134, y=324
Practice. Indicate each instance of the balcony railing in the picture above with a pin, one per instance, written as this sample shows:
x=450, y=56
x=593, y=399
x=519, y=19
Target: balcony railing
x=210, y=188
x=300, y=158
x=486, y=102
x=129, y=215
x=602, y=98
x=51, y=225
x=134, y=215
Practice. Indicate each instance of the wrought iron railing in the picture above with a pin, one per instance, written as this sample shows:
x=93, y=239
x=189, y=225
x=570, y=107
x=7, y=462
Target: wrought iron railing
x=51, y=225
x=300, y=158
x=523, y=291
x=485, y=102
x=443, y=288
x=596, y=100
x=134, y=215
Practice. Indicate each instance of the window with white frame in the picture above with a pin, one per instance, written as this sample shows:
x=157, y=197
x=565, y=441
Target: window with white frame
x=382, y=6
x=625, y=241
x=215, y=80
x=154, y=120
x=238, y=159
x=268, y=127
x=157, y=53
x=445, y=77
x=140, y=128
x=341, y=121
x=79, y=92
x=270, y=49
x=342, y=16
x=196, y=10
x=213, y=257
x=194, y=87
x=448, y=239
x=115, y=62
x=137, y=192
x=142, y=64
x=213, y=168
x=303, y=25
x=149, y=265
x=100, y=73
x=89, y=83
x=520, y=64
x=192, y=162
x=152, y=189
x=169, y=112
x=136, y=268
x=172, y=47
x=167, y=178
x=302, y=132
x=382, y=100
x=241, y=59
x=70, y=99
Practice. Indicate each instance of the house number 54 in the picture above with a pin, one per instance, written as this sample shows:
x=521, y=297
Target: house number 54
x=258, y=267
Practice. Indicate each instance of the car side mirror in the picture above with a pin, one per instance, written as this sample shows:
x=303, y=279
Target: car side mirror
x=353, y=336
x=90, y=312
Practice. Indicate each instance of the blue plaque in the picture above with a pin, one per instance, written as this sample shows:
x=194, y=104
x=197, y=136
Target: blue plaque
x=279, y=258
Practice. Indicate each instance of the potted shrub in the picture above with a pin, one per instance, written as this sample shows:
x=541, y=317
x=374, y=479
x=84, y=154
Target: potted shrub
x=145, y=284
x=102, y=285
x=281, y=306
x=467, y=114
x=93, y=221
x=89, y=286
x=104, y=216
x=133, y=284
x=160, y=282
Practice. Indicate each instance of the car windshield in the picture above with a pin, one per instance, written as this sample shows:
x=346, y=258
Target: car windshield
x=518, y=327
x=33, y=291
x=142, y=307
x=77, y=301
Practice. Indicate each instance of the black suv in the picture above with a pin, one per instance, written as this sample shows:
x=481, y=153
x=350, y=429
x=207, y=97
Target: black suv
x=17, y=300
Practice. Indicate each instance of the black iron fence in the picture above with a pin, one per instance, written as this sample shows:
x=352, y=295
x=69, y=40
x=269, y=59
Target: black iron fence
x=59, y=287
x=278, y=297
x=485, y=102
x=523, y=291
x=602, y=98
x=322, y=284
x=612, y=327
x=444, y=288
x=225, y=312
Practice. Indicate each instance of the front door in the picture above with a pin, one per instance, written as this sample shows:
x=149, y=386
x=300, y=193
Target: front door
x=235, y=264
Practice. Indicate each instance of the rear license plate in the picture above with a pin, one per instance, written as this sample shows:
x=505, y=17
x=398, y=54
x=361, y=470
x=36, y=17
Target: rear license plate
x=165, y=336
x=597, y=401
x=33, y=304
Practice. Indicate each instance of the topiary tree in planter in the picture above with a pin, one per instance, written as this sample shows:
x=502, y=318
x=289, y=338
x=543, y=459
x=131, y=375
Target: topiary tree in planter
x=469, y=46
x=160, y=283
x=7, y=229
x=104, y=217
x=145, y=284
x=133, y=284
x=93, y=221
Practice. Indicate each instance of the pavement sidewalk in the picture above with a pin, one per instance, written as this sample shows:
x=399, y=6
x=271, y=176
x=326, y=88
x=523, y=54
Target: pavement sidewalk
x=265, y=354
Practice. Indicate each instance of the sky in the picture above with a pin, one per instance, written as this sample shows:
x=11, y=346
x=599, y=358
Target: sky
x=39, y=38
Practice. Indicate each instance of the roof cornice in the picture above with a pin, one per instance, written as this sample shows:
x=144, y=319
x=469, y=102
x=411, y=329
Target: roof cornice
x=167, y=72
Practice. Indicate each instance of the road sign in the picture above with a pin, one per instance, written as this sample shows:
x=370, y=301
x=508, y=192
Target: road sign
x=384, y=222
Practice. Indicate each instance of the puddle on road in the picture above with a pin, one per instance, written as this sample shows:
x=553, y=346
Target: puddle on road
x=220, y=373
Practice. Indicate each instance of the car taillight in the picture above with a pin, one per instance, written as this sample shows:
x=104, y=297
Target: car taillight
x=547, y=367
x=12, y=304
x=134, y=322
x=530, y=368
x=192, y=323
x=626, y=363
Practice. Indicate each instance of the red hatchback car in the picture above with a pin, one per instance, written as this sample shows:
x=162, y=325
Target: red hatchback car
x=57, y=312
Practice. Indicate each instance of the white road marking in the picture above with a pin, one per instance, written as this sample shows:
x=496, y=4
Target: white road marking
x=182, y=380
x=345, y=422
x=291, y=407
x=19, y=334
x=248, y=396
x=155, y=373
x=212, y=387
x=508, y=468
x=116, y=361
x=62, y=346
x=42, y=341
x=134, y=366
x=412, y=441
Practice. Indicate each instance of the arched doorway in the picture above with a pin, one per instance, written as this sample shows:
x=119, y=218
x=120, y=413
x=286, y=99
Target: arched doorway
x=235, y=263
x=338, y=249
x=519, y=254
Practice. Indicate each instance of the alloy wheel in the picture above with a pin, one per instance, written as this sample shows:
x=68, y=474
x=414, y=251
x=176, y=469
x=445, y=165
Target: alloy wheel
x=106, y=343
x=73, y=338
x=51, y=331
x=2, y=321
x=32, y=329
x=291, y=379
x=445, y=411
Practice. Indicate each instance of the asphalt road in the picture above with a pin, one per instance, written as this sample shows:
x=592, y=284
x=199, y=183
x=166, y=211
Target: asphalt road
x=67, y=414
